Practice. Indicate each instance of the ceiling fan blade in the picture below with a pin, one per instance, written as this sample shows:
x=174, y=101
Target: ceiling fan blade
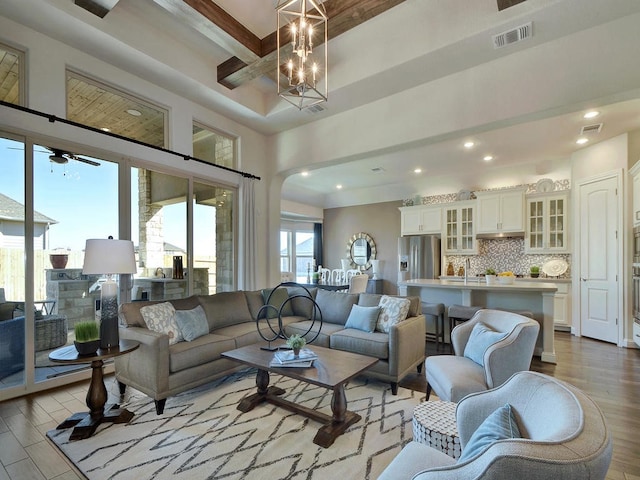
x=85, y=160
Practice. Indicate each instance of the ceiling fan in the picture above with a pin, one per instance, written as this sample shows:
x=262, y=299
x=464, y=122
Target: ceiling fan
x=62, y=157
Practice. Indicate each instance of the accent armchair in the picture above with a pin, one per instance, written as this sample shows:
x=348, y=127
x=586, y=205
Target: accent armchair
x=452, y=377
x=564, y=435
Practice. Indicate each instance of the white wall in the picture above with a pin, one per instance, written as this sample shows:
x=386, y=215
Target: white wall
x=46, y=63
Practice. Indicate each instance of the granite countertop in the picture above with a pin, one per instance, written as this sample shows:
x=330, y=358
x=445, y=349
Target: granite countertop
x=518, y=279
x=478, y=283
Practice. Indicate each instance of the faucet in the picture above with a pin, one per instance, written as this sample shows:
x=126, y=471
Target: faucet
x=467, y=265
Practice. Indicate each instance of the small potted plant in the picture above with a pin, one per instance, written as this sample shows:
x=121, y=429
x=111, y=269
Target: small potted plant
x=296, y=342
x=315, y=277
x=535, y=271
x=87, y=339
x=490, y=276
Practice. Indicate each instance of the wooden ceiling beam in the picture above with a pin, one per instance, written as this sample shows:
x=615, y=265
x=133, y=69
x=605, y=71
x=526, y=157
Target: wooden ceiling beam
x=503, y=4
x=343, y=16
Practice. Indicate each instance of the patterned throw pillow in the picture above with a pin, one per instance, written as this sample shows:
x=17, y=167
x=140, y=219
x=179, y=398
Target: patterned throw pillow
x=161, y=318
x=393, y=310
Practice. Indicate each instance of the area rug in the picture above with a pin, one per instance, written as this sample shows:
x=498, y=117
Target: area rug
x=201, y=435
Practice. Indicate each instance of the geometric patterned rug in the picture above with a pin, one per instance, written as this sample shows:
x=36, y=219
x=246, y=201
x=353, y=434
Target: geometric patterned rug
x=201, y=435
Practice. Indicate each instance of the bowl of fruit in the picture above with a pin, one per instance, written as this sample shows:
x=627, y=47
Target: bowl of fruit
x=506, y=278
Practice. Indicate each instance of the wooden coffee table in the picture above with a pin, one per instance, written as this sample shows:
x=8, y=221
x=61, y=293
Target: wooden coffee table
x=86, y=423
x=332, y=369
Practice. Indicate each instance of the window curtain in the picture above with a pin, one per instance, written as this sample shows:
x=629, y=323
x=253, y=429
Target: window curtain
x=317, y=243
x=247, y=259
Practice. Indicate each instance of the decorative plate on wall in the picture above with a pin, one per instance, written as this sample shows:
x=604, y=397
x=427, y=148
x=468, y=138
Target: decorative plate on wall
x=555, y=268
x=464, y=195
x=545, y=185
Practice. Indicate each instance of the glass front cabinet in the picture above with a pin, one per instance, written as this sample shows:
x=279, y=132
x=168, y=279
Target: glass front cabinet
x=459, y=234
x=547, y=223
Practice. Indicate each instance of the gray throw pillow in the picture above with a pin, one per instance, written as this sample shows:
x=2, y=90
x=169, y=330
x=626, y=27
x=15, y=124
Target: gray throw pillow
x=192, y=323
x=277, y=299
x=481, y=338
x=363, y=318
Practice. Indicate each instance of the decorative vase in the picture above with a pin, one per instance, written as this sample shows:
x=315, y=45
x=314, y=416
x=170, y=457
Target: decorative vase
x=58, y=260
x=87, y=348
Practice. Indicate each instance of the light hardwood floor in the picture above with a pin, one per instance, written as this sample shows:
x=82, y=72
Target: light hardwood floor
x=610, y=375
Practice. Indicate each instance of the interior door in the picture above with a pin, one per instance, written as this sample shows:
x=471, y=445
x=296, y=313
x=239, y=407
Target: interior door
x=599, y=259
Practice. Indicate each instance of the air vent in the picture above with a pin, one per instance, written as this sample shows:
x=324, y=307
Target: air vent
x=513, y=36
x=377, y=170
x=317, y=108
x=590, y=129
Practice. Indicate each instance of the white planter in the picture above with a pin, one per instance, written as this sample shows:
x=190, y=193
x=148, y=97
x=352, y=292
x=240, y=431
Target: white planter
x=490, y=279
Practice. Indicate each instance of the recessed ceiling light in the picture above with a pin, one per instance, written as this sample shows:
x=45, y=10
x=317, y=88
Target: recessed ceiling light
x=487, y=158
x=417, y=170
x=468, y=144
x=304, y=174
x=582, y=140
x=338, y=186
x=591, y=114
x=135, y=113
x=105, y=129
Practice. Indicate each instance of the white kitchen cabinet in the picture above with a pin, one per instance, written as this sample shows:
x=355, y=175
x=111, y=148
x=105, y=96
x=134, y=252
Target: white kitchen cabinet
x=635, y=172
x=562, y=306
x=458, y=235
x=547, y=223
x=421, y=220
x=500, y=211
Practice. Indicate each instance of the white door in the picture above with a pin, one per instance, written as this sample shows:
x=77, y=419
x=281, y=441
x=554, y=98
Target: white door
x=599, y=259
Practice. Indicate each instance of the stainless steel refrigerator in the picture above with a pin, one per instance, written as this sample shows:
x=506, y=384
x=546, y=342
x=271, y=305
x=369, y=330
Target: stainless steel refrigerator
x=418, y=257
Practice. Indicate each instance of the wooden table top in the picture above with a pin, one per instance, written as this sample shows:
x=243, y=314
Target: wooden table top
x=69, y=354
x=331, y=368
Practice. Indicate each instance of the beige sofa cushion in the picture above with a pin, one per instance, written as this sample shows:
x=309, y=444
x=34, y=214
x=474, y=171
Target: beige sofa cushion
x=373, y=344
x=225, y=308
x=200, y=351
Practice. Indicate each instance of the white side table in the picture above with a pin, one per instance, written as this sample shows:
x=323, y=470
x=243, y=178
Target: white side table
x=434, y=424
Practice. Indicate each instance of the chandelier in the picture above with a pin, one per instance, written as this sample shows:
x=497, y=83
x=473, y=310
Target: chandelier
x=302, y=53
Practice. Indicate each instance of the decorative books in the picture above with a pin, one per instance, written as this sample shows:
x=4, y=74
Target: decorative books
x=286, y=358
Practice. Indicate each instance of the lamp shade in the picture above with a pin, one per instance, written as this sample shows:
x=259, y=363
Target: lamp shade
x=108, y=256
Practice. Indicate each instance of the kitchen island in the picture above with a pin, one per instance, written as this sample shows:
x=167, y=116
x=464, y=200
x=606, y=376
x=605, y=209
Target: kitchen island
x=536, y=297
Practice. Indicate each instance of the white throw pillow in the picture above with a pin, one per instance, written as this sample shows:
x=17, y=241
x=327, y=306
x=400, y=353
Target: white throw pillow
x=392, y=310
x=161, y=318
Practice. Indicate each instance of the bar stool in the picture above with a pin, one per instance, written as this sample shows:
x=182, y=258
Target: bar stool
x=459, y=314
x=435, y=311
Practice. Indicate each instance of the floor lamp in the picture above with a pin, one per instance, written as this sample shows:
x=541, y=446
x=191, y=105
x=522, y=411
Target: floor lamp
x=109, y=257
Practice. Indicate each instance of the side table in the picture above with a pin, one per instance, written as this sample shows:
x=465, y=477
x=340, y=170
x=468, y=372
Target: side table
x=434, y=424
x=85, y=423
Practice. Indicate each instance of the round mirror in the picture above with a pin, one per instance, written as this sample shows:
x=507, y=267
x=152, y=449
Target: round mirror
x=361, y=249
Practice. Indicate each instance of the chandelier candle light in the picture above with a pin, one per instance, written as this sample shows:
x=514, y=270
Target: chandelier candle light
x=109, y=257
x=302, y=78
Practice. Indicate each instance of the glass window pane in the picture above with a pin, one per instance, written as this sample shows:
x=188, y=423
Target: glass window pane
x=75, y=198
x=213, y=146
x=97, y=105
x=12, y=266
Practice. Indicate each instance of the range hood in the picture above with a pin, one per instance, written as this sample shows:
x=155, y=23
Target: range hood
x=499, y=235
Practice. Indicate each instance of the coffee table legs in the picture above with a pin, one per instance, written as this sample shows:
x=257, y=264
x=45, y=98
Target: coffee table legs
x=340, y=421
x=335, y=425
x=85, y=424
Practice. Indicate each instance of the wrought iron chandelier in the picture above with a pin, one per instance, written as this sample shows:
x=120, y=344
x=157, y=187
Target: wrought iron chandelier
x=302, y=53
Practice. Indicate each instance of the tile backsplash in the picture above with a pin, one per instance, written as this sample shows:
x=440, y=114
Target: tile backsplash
x=502, y=255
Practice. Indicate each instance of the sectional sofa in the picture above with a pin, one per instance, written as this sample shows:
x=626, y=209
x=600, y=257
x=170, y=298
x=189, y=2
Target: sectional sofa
x=165, y=365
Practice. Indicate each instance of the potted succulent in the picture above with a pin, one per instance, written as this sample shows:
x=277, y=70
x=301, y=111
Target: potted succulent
x=490, y=276
x=535, y=271
x=296, y=342
x=87, y=339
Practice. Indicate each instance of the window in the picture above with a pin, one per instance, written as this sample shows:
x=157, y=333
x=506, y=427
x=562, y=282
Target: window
x=12, y=77
x=97, y=105
x=213, y=146
x=296, y=250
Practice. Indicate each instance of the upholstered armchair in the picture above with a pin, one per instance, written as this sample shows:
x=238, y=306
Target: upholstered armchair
x=563, y=435
x=474, y=368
